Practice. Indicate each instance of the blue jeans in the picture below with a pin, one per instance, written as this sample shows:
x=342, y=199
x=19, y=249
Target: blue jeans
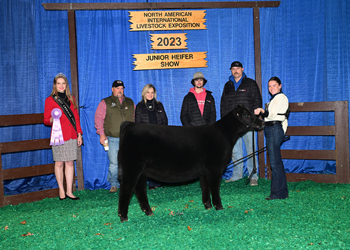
x=112, y=177
x=237, y=153
x=274, y=138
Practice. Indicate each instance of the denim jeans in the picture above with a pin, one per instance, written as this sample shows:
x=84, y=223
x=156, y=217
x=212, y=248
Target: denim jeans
x=237, y=153
x=274, y=138
x=112, y=177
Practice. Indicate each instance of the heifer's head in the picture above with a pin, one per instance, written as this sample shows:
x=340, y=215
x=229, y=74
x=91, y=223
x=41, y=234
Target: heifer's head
x=250, y=120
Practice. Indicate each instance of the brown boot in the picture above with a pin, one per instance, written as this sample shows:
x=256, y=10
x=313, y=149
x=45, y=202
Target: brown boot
x=113, y=190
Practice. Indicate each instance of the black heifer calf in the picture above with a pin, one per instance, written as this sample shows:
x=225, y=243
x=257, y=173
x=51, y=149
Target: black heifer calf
x=176, y=154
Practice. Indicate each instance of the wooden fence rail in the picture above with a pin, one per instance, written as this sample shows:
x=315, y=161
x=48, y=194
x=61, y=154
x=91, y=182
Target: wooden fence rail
x=341, y=132
x=29, y=171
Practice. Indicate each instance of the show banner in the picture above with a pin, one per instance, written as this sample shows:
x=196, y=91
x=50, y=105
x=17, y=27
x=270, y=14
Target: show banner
x=167, y=20
x=169, y=41
x=170, y=60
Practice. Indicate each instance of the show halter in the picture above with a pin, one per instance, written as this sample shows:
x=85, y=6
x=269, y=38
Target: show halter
x=286, y=138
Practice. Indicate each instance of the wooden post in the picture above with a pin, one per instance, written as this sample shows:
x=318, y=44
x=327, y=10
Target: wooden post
x=257, y=56
x=342, y=141
x=75, y=89
x=2, y=193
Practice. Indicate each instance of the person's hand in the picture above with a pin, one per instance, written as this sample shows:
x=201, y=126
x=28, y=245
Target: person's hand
x=102, y=139
x=80, y=140
x=257, y=111
x=51, y=119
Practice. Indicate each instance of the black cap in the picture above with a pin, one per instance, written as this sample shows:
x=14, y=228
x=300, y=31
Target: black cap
x=118, y=83
x=236, y=64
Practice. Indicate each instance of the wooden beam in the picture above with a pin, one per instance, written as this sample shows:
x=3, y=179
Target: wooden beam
x=30, y=197
x=25, y=119
x=73, y=55
x=2, y=192
x=19, y=146
x=312, y=106
x=341, y=118
x=310, y=130
x=162, y=5
x=73, y=50
x=320, y=178
x=23, y=172
x=80, y=172
x=257, y=49
x=261, y=157
x=309, y=154
x=258, y=79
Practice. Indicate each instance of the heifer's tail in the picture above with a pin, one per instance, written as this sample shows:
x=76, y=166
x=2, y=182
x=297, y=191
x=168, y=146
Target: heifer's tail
x=122, y=132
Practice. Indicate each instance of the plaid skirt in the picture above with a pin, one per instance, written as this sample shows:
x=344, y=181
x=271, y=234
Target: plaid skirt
x=65, y=152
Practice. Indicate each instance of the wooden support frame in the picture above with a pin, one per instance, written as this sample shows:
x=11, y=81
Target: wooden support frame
x=72, y=7
x=341, y=153
x=159, y=5
x=12, y=120
x=30, y=171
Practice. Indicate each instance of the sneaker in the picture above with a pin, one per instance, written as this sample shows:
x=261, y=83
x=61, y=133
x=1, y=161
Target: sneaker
x=230, y=180
x=253, y=182
x=113, y=190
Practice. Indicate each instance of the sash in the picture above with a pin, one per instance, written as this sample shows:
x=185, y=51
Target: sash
x=66, y=110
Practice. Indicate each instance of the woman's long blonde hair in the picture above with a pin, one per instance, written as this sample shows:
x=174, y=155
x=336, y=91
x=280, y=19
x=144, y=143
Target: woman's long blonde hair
x=68, y=93
x=145, y=90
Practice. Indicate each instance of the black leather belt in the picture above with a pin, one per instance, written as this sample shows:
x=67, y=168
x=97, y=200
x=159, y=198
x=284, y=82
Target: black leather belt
x=272, y=123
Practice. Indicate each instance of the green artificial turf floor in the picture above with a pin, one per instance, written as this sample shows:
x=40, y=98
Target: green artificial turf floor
x=315, y=216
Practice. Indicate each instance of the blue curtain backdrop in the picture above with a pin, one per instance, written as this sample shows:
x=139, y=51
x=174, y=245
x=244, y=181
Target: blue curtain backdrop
x=304, y=43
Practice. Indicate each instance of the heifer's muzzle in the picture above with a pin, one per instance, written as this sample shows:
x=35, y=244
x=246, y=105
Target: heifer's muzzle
x=250, y=125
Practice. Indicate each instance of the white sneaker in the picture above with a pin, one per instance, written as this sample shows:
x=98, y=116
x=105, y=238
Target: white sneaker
x=230, y=180
x=253, y=182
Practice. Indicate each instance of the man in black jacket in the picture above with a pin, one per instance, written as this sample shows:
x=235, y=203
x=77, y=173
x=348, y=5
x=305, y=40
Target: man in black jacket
x=198, y=106
x=241, y=90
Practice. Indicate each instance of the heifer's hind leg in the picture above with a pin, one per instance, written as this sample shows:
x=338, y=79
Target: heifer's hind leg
x=205, y=191
x=141, y=194
x=127, y=186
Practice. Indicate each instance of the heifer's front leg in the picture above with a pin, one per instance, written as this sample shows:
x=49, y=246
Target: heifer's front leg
x=141, y=195
x=205, y=192
x=214, y=183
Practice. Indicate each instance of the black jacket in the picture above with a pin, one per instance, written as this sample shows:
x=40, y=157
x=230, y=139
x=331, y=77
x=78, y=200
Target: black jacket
x=191, y=115
x=141, y=113
x=247, y=94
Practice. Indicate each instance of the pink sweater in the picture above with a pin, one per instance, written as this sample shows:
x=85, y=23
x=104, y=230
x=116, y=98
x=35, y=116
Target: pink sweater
x=200, y=98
